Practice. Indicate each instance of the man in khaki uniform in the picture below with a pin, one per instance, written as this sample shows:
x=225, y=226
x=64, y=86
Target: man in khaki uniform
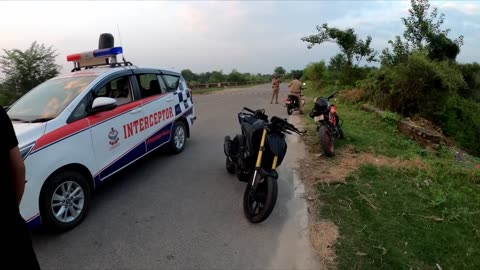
x=275, y=88
x=295, y=89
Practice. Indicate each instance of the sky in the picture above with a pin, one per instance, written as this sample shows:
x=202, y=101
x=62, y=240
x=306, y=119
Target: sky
x=250, y=36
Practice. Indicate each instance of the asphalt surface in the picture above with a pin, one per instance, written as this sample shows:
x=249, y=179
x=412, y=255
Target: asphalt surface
x=185, y=211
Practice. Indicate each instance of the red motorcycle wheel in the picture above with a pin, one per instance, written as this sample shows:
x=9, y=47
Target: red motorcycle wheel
x=326, y=140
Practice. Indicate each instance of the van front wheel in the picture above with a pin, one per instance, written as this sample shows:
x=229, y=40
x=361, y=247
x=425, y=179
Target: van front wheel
x=64, y=200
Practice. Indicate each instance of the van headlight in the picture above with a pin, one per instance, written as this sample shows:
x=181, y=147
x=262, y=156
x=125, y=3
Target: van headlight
x=25, y=151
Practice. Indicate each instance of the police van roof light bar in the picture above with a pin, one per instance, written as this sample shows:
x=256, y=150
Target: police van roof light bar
x=97, y=57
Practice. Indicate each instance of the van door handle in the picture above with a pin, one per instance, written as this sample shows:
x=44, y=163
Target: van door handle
x=136, y=110
x=169, y=99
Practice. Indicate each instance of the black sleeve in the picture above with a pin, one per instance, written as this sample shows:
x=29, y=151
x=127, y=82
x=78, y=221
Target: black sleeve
x=7, y=127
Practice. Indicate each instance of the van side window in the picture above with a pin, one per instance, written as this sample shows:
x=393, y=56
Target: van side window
x=119, y=88
x=172, y=82
x=150, y=85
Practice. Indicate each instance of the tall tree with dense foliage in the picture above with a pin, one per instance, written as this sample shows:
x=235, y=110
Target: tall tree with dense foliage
x=26, y=69
x=421, y=25
x=280, y=71
x=189, y=76
x=296, y=73
x=350, y=45
x=423, y=32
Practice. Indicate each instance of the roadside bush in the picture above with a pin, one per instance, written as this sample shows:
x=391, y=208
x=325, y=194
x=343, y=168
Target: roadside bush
x=378, y=87
x=418, y=86
x=348, y=76
x=352, y=96
x=316, y=73
x=460, y=120
x=471, y=75
x=434, y=90
x=391, y=117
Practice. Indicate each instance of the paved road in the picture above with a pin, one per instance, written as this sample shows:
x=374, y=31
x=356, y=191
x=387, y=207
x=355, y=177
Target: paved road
x=185, y=211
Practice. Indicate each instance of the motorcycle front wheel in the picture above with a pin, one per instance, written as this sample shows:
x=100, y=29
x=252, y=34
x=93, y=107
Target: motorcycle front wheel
x=326, y=140
x=258, y=205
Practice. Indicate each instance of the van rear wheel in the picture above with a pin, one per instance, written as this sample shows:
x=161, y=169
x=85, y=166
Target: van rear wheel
x=178, y=137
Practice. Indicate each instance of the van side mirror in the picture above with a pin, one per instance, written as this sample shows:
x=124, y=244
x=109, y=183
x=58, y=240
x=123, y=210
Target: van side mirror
x=102, y=104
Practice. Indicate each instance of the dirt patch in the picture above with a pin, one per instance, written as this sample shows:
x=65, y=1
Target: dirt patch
x=321, y=169
x=354, y=95
x=323, y=235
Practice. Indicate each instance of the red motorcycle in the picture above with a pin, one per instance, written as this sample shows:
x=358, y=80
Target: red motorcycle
x=329, y=126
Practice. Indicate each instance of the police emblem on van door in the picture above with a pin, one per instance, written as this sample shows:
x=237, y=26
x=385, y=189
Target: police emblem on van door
x=113, y=136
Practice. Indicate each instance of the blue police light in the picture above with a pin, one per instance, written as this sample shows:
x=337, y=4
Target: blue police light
x=107, y=52
x=100, y=53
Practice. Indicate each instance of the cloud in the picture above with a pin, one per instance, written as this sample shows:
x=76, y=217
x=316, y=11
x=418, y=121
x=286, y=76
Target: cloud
x=211, y=19
x=252, y=36
x=377, y=16
x=472, y=25
x=467, y=8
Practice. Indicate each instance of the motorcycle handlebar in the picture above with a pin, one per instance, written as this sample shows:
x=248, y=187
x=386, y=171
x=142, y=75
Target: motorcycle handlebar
x=260, y=114
x=296, y=130
x=332, y=95
x=248, y=110
x=288, y=127
x=283, y=123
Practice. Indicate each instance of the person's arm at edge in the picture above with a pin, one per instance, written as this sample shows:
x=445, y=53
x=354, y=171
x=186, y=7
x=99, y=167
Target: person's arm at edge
x=18, y=170
x=16, y=160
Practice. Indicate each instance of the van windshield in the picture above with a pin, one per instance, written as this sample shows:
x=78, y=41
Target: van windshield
x=49, y=99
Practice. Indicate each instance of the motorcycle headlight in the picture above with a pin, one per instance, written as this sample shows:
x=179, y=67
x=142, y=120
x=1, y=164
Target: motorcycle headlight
x=25, y=151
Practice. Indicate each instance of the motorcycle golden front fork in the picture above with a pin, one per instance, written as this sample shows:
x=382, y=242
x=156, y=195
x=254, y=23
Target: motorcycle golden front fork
x=260, y=155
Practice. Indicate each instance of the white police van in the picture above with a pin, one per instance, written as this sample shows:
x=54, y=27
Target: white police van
x=78, y=129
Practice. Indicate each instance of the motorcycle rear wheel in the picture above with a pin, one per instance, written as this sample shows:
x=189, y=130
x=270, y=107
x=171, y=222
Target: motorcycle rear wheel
x=258, y=206
x=326, y=140
x=289, y=110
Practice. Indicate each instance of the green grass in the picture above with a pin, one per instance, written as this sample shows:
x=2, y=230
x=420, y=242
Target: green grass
x=207, y=90
x=402, y=218
x=366, y=131
x=422, y=219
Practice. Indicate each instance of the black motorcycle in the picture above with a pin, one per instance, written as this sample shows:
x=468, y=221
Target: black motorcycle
x=254, y=157
x=329, y=126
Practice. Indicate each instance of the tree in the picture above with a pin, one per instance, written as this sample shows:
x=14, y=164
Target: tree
x=423, y=32
x=350, y=45
x=315, y=72
x=440, y=47
x=204, y=77
x=280, y=71
x=338, y=62
x=400, y=53
x=189, y=76
x=421, y=26
x=26, y=69
x=216, y=77
x=296, y=73
x=236, y=76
